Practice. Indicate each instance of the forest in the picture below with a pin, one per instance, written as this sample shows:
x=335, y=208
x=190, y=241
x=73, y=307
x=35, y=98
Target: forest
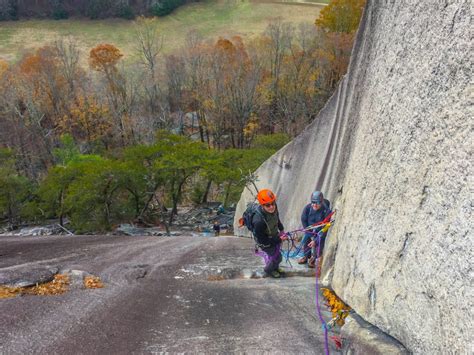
x=97, y=139
x=93, y=9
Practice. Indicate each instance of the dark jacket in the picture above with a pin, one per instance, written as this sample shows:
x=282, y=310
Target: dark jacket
x=266, y=231
x=310, y=216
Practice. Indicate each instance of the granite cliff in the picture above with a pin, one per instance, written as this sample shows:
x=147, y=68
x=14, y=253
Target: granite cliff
x=392, y=150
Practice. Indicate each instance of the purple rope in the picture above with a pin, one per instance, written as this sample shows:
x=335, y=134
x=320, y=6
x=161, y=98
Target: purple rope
x=318, y=307
x=269, y=258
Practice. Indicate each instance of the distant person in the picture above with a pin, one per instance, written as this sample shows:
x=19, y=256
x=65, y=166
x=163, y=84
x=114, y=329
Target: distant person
x=217, y=228
x=316, y=211
x=268, y=231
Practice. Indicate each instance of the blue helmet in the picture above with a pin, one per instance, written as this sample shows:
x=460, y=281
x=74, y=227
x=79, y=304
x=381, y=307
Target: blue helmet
x=317, y=197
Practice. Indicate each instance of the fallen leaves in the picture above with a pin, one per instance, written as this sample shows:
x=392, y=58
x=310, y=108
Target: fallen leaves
x=93, y=282
x=9, y=292
x=338, y=308
x=57, y=286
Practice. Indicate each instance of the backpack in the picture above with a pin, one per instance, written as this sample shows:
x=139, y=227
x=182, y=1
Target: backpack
x=247, y=217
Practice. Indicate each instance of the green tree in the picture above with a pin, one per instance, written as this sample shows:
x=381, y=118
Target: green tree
x=15, y=190
x=143, y=179
x=182, y=158
x=68, y=150
x=94, y=198
x=54, y=189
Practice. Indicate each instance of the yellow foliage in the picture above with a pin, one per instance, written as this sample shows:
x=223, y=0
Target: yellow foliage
x=251, y=126
x=338, y=308
x=341, y=15
x=209, y=104
x=3, y=67
x=87, y=119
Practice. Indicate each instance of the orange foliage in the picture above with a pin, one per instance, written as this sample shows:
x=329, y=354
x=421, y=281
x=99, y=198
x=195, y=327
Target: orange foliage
x=58, y=286
x=104, y=57
x=42, y=80
x=233, y=50
x=338, y=308
x=93, y=282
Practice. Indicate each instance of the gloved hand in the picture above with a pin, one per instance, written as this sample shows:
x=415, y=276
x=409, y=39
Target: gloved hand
x=283, y=235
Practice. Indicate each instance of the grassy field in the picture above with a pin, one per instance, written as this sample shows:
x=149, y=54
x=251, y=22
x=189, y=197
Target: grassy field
x=212, y=19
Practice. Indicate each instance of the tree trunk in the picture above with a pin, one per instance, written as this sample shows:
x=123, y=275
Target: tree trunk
x=206, y=193
x=227, y=193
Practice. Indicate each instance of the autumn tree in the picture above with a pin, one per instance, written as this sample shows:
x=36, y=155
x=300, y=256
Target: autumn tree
x=341, y=16
x=339, y=21
x=88, y=121
x=104, y=58
x=34, y=98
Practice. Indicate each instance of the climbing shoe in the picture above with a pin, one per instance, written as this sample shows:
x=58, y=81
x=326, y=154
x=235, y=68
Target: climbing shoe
x=311, y=263
x=275, y=274
x=303, y=260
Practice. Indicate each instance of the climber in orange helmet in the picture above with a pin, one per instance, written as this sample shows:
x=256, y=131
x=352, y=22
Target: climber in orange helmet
x=264, y=222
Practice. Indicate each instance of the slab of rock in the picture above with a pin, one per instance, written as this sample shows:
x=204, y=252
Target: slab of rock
x=360, y=338
x=27, y=277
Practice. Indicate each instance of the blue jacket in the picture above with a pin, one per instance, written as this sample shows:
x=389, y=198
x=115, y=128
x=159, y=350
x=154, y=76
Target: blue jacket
x=310, y=216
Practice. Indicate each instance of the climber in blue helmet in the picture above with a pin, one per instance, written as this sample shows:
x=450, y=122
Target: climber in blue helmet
x=315, y=211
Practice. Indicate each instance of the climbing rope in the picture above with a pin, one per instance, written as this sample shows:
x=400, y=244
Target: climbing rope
x=317, y=229
x=318, y=306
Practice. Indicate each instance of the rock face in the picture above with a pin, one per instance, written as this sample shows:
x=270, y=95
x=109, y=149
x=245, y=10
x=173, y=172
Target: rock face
x=391, y=150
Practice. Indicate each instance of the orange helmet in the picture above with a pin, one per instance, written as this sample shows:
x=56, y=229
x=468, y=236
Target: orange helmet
x=266, y=196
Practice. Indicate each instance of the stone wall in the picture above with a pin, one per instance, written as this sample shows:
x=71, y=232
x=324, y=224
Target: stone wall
x=392, y=150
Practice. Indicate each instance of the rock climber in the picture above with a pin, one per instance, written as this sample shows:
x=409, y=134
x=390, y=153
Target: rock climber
x=268, y=231
x=315, y=211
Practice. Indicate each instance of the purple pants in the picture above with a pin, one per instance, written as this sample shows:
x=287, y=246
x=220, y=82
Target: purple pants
x=272, y=258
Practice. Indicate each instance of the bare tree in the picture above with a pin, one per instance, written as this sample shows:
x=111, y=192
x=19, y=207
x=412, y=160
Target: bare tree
x=149, y=45
x=68, y=55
